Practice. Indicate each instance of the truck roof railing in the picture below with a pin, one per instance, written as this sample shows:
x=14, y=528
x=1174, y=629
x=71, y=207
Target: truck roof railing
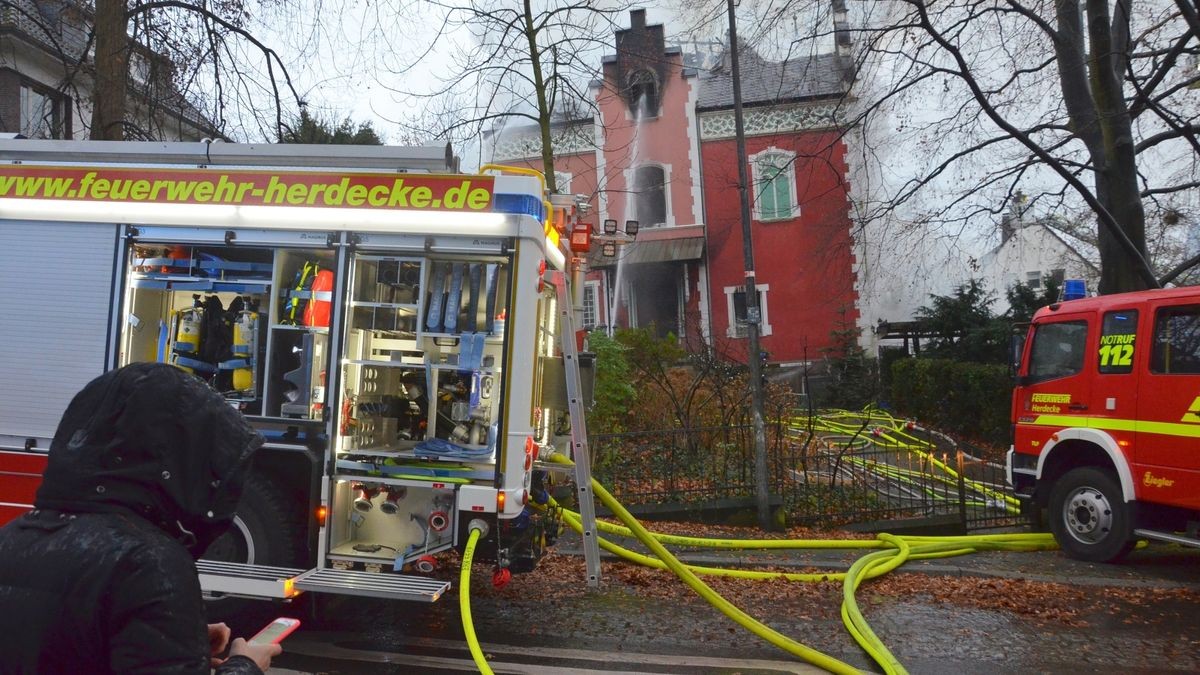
x=430, y=159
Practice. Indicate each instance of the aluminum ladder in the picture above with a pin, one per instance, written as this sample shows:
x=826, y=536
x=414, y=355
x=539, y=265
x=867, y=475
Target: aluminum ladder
x=579, y=438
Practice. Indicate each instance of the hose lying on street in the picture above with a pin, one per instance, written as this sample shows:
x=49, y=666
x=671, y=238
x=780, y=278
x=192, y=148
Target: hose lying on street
x=894, y=551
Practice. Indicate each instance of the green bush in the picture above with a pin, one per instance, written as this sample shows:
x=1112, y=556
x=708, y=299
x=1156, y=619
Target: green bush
x=613, y=392
x=970, y=399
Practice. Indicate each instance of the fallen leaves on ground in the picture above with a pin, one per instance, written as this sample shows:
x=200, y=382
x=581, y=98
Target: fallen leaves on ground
x=560, y=577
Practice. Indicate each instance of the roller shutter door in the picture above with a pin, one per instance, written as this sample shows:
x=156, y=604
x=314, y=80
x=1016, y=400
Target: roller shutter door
x=55, y=308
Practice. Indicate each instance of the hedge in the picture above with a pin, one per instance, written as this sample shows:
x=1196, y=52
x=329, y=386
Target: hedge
x=970, y=399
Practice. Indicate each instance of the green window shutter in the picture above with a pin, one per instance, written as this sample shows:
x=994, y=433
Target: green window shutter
x=783, y=194
x=766, y=191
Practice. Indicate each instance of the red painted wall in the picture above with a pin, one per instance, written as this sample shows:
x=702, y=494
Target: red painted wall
x=807, y=260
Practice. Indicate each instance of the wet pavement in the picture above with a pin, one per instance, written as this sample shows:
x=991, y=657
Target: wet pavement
x=983, y=613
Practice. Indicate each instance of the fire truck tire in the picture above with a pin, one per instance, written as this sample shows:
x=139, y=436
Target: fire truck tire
x=1089, y=517
x=267, y=531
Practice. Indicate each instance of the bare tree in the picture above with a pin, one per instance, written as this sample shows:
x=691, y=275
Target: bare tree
x=1086, y=105
x=526, y=61
x=197, y=40
x=141, y=63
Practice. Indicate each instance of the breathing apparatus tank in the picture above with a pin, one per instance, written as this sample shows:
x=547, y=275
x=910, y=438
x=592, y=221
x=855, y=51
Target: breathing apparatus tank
x=316, y=312
x=245, y=346
x=189, y=327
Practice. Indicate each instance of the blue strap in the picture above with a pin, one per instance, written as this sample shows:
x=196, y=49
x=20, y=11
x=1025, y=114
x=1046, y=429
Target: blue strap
x=194, y=364
x=163, y=333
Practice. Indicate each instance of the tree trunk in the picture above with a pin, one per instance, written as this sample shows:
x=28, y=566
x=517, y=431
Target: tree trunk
x=1116, y=169
x=112, y=70
x=539, y=86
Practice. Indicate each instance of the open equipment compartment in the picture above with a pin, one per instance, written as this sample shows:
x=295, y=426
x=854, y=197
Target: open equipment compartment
x=419, y=406
x=233, y=316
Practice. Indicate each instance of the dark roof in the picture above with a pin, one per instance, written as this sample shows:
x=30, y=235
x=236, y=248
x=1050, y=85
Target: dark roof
x=763, y=81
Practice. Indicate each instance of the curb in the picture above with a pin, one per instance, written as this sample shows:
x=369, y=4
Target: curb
x=1073, y=577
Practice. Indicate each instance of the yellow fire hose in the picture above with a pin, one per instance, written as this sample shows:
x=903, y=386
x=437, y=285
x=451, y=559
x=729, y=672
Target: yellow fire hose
x=478, y=528
x=896, y=550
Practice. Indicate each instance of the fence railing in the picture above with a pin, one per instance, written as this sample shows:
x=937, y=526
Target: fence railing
x=826, y=479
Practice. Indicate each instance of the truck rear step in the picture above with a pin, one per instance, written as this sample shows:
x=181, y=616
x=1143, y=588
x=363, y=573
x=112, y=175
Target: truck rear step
x=372, y=585
x=259, y=581
x=1167, y=537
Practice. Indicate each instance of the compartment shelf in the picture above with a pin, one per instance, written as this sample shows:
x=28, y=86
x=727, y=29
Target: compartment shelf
x=162, y=283
x=384, y=305
x=383, y=364
x=308, y=329
x=448, y=473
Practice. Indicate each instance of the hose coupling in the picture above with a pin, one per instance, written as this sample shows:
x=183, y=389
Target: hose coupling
x=481, y=525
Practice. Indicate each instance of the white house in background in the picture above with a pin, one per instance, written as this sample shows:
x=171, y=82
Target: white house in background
x=1030, y=250
x=46, y=85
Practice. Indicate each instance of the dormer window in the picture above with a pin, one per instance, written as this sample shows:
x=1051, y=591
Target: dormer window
x=643, y=94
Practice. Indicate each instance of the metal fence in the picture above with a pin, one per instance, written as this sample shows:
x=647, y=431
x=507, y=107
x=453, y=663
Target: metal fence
x=819, y=479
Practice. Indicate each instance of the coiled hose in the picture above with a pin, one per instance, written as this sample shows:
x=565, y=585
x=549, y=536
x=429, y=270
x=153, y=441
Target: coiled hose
x=895, y=551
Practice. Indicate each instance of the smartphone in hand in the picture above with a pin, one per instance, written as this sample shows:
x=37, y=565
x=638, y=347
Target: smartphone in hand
x=274, y=632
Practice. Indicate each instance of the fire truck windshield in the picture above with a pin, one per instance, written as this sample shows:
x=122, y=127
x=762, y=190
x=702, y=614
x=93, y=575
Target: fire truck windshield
x=1058, y=350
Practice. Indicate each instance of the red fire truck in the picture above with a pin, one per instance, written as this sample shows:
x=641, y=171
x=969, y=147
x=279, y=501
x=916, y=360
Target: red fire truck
x=390, y=327
x=1106, y=416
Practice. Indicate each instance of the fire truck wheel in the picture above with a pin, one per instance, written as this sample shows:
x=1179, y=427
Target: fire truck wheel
x=1089, y=517
x=266, y=531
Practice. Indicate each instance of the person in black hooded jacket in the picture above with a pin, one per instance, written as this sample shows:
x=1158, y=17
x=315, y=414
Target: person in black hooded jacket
x=145, y=471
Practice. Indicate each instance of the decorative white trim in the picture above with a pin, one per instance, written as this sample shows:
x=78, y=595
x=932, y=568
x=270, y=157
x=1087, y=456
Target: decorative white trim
x=705, y=306
x=527, y=143
x=562, y=180
x=601, y=164
x=770, y=120
x=732, y=329
x=689, y=113
x=789, y=158
x=666, y=188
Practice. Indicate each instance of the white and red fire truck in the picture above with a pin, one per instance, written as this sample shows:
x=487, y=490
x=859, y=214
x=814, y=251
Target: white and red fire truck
x=388, y=325
x=1106, y=414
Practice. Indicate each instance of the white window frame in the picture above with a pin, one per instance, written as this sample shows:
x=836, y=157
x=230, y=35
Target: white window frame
x=591, y=291
x=562, y=180
x=666, y=187
x=29, y=111
x=789, y=158
x=736, y=329
x=1033, y=280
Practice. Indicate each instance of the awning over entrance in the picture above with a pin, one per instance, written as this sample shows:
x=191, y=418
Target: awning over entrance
x=662, y=244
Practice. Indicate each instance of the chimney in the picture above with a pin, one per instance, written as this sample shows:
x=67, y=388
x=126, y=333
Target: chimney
x=841, y=28
x=637, y=19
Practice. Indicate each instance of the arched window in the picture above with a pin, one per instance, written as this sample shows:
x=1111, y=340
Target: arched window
x=773, y=173
x=643, y=94
x=650, y=195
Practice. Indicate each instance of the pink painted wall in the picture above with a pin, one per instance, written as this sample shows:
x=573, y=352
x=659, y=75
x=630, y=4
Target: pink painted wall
x=664, y=140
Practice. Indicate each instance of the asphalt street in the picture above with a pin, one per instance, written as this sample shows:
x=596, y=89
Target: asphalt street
x=1027, y=613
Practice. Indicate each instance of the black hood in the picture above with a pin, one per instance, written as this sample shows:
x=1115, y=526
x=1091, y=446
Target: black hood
x=153, y=440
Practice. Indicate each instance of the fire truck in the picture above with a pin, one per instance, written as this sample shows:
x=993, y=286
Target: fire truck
x=390, y=326
x=1106, y=413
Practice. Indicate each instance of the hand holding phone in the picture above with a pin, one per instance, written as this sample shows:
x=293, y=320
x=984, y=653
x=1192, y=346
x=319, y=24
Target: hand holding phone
x=274, y=632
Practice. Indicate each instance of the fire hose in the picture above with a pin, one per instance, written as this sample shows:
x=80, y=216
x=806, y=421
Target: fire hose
x=893, y=552
x=479, y=528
